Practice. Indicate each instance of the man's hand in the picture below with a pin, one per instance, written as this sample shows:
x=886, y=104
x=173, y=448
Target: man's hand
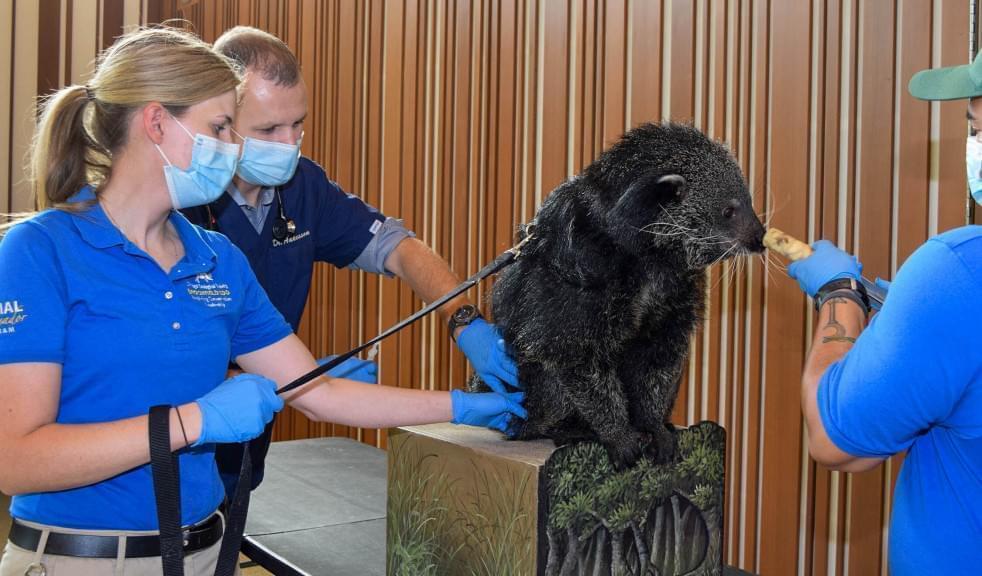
x=484, y=347
x=353, y=369
x=826, y=263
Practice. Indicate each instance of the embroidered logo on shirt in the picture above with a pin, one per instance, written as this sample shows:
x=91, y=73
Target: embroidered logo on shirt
x=212, y=294
x=375, y=226
x=290, y=239
x=11, y=314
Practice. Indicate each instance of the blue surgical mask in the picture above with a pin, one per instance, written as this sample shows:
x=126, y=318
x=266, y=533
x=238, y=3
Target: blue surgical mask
x=212, y=168
x=973, y=162
x=268, y=163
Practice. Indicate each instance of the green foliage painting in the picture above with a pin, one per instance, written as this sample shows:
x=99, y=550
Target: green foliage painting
x=468, y=503
x=645, y=521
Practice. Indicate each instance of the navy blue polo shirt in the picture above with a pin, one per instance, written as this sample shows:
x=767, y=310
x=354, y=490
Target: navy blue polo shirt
x=75, y=292
x=331, y=226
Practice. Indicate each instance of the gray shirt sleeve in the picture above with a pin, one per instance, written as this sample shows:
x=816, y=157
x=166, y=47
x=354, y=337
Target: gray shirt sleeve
x=389, y=235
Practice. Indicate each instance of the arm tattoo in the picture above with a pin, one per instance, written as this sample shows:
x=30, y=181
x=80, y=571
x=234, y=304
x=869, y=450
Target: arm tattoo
x=838, y=330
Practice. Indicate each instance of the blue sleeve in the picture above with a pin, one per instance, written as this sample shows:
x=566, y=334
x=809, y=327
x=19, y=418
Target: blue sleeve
x=260, y=324
x=33, y=297
x=911, y=366
x=345, y=224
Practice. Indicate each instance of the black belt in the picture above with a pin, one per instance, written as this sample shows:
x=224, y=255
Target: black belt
x=196, y=538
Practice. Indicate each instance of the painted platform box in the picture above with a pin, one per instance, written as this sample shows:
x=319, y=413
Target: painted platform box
x=464, y=501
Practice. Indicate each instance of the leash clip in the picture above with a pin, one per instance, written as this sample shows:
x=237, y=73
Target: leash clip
x=516, y=250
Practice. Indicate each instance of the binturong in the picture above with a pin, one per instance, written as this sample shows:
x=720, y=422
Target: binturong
x=599, y=308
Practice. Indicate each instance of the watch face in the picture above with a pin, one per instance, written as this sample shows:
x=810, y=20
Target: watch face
x=465, y=313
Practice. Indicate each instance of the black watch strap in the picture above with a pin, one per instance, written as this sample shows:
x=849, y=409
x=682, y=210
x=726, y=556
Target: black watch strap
x=848, y=288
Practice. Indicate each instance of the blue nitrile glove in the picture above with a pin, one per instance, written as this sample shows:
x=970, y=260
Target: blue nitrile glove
x=825, y=264
x=488, y=409
x=353, y=369
x=238, y=409
x=884, y=284
x=484, y=347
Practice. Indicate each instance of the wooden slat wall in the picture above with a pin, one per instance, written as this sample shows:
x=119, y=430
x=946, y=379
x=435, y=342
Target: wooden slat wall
x=460, y=116
x=45, y=45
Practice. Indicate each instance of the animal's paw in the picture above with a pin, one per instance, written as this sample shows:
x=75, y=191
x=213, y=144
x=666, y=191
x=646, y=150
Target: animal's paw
x=475, y=384
x=519, y=429
x=626, y=452
x=661, y=444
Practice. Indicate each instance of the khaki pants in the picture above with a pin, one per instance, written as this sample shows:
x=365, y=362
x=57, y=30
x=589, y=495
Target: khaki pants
x=16, y=561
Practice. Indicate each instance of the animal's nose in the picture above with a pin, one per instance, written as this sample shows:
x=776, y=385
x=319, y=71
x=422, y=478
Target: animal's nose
x=756, y=244
x=755, y=240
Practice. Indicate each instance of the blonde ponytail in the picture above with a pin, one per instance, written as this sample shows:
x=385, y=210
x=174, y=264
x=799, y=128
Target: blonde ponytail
x=82, y=127
x=63, y=153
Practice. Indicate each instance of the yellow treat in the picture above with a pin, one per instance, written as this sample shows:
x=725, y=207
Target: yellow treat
x=786, y=245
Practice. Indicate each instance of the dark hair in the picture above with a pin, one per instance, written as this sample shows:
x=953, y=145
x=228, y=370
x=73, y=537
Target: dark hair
x=253, y=48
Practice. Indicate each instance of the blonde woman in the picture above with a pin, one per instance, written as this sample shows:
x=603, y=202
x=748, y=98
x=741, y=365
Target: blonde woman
x=111, y=303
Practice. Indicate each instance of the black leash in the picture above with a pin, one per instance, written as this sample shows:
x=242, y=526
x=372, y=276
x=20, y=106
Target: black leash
x=167, y=491
x=504, y=259
x=164, y=463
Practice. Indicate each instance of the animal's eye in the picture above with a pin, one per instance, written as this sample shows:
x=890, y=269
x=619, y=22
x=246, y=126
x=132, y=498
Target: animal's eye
x=728, y=212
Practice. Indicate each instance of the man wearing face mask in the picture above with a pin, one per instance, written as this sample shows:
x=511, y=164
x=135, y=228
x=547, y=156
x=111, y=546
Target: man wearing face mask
x=912, y=379
x=285, y=214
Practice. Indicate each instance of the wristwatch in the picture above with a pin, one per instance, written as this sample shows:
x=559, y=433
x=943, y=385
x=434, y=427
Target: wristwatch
x=848, y=288
x=463, y=316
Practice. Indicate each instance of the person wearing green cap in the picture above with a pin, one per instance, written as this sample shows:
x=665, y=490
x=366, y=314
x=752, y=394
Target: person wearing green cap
x=910, y=380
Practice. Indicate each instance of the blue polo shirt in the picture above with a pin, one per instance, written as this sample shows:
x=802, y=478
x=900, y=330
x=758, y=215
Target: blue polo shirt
x=75, y=292
x=913, y=381
x=331, y=226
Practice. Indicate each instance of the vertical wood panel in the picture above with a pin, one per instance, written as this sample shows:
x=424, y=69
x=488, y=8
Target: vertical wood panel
x=85, y=40
x=24, y=91
x=8, y=51
x=787, y=178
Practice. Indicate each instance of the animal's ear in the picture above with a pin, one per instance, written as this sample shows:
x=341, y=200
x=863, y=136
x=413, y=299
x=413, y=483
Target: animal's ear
x=670, y=187
x=648, y=192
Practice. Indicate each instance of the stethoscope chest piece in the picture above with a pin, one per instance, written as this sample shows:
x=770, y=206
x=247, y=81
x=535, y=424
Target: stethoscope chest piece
x=283, y=227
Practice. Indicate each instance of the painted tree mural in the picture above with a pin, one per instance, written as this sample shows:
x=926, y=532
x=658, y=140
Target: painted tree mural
x=646, y=521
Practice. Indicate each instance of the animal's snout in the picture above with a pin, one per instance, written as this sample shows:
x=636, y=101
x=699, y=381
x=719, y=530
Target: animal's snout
x=746, y=227
x=754, y=234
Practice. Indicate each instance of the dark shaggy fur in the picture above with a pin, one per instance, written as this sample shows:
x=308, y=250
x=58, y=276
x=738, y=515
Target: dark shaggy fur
x=599, y=308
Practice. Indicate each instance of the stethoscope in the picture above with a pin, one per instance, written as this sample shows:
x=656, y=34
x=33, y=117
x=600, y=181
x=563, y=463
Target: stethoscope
x=283, y=225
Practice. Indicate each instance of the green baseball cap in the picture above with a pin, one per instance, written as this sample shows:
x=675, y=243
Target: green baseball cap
x=951, y=83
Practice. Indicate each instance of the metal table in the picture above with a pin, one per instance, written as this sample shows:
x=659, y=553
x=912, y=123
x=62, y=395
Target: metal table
x=320, y=509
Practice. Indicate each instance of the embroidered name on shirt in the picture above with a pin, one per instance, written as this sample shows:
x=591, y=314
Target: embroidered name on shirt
x=212, y=294
x=290, y=239
x=11, y=314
